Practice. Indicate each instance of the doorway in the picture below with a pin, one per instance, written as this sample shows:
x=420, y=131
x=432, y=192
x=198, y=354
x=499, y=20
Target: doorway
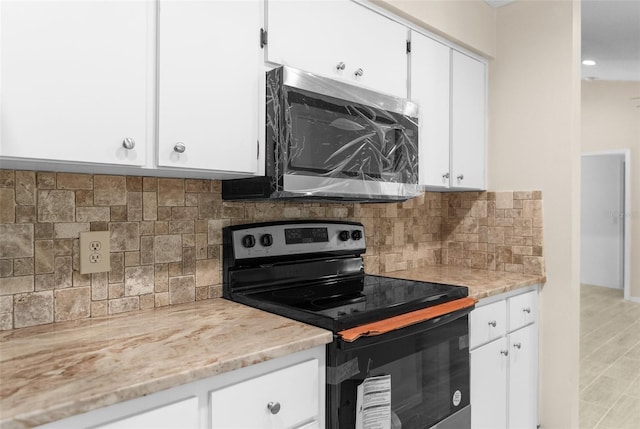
x=604, y=240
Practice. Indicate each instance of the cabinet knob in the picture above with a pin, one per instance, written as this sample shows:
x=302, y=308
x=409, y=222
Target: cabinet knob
x=359, y=72
x=445, y=177
x=341, y=66
x=527, y=309
x=492, y=323
x=274, y=407
x=128, y=143
x=504, y=352
x=180, y=147
x=517, y=345
x=460, y=177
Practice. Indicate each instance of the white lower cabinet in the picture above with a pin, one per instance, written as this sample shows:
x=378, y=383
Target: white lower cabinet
x=274, y=400
x=287, y=392
x=523, y=378
x=489, y=385
x=504, y=362
x=182, y=414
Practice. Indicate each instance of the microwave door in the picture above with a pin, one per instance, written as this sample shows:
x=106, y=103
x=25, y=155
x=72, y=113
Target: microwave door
x=332, y=138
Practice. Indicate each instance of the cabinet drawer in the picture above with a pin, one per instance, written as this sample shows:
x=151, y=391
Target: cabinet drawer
x=487, y=323
x=179, y=415
x=522, y=310
x=245, y=404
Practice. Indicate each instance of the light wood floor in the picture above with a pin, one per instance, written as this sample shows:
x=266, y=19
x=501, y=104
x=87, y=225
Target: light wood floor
x=609, y=360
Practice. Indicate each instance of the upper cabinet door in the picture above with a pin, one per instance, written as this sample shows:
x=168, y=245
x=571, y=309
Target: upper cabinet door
x=339, y=39
x=468, y=128
x=430, y=75
x=74, y=80
x=210, y=68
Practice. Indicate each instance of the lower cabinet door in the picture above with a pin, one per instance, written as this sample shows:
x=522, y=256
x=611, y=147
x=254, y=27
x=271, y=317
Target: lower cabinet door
x=286, y=398
x=523, y=389
x=489, y=385
x=179, y=415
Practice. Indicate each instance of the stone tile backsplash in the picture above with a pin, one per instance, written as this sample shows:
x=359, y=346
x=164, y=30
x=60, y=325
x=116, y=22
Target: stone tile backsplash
x=166, y=241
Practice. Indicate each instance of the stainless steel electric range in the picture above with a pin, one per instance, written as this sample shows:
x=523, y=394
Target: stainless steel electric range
x=400, y=354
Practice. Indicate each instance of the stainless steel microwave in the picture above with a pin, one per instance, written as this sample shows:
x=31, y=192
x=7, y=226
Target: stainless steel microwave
x=329, y=140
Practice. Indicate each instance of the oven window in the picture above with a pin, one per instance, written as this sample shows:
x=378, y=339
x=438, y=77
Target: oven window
x=429, y=376
x=334, y=138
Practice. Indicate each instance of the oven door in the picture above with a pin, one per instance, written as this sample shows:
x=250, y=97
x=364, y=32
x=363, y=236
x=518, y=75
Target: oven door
x=427, y=365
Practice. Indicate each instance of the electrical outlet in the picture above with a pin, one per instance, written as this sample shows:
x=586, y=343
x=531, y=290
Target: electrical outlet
x=94, y=252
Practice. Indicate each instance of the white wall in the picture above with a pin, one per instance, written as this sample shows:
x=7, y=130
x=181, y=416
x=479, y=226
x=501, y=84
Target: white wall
x=601, y=226
x=611, y=121
x=534, y=114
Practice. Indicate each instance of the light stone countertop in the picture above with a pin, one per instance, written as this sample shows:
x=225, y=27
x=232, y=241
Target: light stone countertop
x=481, y=283
x=55, y=371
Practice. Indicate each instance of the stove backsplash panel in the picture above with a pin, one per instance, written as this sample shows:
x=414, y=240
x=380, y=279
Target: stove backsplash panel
x=166, y=241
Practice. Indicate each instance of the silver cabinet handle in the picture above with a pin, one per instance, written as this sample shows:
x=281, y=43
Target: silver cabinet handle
x=274, y=407
x=128, y=143
x=517, y=345
x=527, y=309
x=492, y=323
x=341, y=66
x=504, y=352
x=445, y=176
x=359, y=72
x=460, y=177
x=180, y=147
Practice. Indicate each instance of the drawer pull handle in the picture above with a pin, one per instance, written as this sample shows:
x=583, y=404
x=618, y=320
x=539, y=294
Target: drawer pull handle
x=527, y=310
x=517, y=345
x=341, y=66
x=180, y=147
x=274, y=407
x=504, y=352
x=128, y=143
x=492, y=323
x=359, y=72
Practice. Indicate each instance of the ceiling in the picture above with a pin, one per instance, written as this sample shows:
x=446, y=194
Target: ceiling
x=610, y=37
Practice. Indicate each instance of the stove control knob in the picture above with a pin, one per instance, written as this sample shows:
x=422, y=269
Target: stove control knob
x=356, y=234
x=266, y=240
x=344, y=235
x=248, y=241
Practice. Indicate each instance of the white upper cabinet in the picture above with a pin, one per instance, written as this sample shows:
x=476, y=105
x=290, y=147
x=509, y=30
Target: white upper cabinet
x=74, y=80
x=430, y=85
x=338, y=39
x=209, y=81
x=468, y=122
x=450, y=88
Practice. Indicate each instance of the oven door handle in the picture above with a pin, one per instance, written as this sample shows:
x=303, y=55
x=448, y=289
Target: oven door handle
x=404, y=320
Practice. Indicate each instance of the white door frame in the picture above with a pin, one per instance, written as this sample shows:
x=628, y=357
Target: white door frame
x=627, y=218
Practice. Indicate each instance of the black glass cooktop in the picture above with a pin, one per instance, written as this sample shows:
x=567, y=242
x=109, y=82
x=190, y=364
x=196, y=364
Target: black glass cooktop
x=351, y=302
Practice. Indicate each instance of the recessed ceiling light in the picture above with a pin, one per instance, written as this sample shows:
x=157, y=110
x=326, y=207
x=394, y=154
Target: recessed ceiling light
x=588, y=62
